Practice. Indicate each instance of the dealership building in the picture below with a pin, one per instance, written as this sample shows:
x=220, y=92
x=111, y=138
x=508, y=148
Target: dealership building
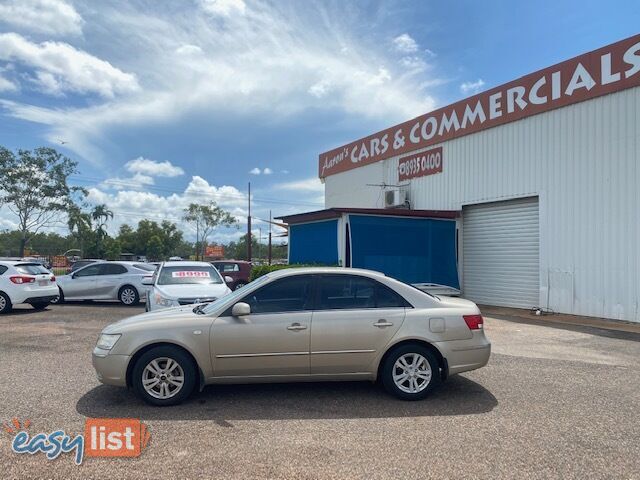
x=526, y=195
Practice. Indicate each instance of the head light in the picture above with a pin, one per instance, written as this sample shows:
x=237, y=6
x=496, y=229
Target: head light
x=106, y=341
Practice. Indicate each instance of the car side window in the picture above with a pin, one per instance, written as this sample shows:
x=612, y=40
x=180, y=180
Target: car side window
x=3, y=269
x=340, y=292
x=112, y=269
x=89, y=271
x=387, y=298
x=291, y=294
x=231, y=267
x=343, y=292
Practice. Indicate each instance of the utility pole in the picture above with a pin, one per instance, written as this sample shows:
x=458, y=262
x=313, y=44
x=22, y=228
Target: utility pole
x=249, y=227
x=270, y=220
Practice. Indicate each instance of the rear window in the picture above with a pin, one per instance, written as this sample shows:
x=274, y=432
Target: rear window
x=3, y=269
x=31, y=269
x=185, y=275
x=145, y=266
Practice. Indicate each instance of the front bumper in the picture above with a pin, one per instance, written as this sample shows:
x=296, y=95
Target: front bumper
x=110, y=369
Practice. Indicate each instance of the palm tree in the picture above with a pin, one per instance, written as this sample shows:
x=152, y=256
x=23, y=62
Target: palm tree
x=100, y=214
x=79, y=224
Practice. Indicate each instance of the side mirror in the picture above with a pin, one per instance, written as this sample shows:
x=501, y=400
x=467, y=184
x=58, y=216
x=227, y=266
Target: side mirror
x=147, y=280
x=240, y=309
x=228, y=279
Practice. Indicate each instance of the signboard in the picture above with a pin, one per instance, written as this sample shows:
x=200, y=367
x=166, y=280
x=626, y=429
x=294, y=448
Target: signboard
x=420, y=164
x=214, y=251
x=191, y=274
x=606, y=70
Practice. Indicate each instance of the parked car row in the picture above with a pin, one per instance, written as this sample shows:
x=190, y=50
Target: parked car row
x=159, y=285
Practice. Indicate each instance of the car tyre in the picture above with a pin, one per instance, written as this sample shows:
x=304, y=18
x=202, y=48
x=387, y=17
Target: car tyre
x=59, y=299
x=5, y=303
x=40, y=305
x=169, y=366
x=128, y=296
x=411, y=372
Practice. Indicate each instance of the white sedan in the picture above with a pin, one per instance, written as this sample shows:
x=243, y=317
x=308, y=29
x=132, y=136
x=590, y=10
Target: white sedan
x=25, y=282
x=106, y=281
x=184, y=283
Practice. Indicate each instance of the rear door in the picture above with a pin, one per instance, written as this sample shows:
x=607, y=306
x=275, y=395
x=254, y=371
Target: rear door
x=355, y=317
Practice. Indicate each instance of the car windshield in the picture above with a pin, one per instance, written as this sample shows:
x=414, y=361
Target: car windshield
x=31, y=269
x=188, y=275
x=234, y=296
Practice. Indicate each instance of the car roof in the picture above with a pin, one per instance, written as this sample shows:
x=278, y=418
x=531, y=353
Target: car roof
x=229, y=260
x=285, y=272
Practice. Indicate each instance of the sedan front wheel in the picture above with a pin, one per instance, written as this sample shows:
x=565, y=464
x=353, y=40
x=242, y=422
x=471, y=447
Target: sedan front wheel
x=164, y=376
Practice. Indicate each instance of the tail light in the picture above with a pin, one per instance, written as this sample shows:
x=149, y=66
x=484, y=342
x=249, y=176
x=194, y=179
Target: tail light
x=20, y=279
x=474, y=322
x=53, y=278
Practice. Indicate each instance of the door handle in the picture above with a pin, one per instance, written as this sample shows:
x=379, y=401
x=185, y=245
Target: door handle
x=382, y=323
x=296, y=326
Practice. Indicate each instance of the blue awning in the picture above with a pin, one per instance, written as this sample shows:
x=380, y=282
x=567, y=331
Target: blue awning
x=315, y=243
x=409, y=249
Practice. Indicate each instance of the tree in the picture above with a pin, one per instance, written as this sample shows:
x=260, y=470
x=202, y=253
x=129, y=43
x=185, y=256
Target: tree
x=101, y=214
x=113, y=249
x=33, y=185
x=79, y=224
x=205, y=218
x=154, y=248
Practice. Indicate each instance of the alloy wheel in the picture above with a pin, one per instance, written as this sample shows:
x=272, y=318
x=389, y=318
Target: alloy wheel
x=163, y=378
x=128, y=296
x=411, y=373
x=3, y=303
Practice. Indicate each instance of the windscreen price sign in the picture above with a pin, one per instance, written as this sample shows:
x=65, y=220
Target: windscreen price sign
x=420, y=164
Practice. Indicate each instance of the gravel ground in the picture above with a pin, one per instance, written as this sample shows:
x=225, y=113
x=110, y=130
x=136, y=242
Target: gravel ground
x=552, y=403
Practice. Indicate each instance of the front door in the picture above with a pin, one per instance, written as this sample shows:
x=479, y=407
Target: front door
x=82, y=283
x=273, y=339
x=354, y=320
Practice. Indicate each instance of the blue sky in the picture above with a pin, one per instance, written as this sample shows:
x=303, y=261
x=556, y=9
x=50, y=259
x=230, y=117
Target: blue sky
x=189, y=102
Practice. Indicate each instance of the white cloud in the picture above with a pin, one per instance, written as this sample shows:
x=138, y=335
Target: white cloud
x=267, y=171
x=223, y=8
x=255, y=171
x=472, y=87
x=51, y=17
x=145, y=166
x=267, y=60
x=405, y=43
x=312, y=184
x=413, y=62
x=132, y=205
x=58, y=67
x=7, y=85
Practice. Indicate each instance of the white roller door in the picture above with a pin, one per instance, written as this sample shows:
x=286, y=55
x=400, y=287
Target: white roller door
x=500, y=253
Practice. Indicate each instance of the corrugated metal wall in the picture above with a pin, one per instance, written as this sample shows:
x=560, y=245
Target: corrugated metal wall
x=582, y=161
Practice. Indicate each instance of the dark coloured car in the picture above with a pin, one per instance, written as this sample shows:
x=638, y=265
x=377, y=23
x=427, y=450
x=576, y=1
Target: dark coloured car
x=238, y=270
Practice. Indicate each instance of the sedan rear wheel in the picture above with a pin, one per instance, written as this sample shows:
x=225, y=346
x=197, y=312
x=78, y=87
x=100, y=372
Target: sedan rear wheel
x=164, y=376
x=410, y=372
x=128, y=295
x=5, y=303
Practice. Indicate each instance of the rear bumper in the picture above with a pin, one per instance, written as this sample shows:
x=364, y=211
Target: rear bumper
x=36, y=295
x=465, y=355
x=110, y=369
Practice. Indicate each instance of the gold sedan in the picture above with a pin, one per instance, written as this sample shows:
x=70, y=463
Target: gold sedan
x=297, y=325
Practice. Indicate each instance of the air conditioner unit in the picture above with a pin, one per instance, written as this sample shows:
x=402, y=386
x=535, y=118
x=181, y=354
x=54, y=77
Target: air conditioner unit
x=395, y=198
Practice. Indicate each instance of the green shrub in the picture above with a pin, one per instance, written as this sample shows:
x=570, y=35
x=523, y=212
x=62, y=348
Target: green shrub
x=260, y=270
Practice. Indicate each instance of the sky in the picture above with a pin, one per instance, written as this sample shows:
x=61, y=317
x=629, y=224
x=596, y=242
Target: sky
x=190, y=101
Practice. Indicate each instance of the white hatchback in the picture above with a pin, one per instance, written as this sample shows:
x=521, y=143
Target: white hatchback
x=25, y=282
x=184, y=283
